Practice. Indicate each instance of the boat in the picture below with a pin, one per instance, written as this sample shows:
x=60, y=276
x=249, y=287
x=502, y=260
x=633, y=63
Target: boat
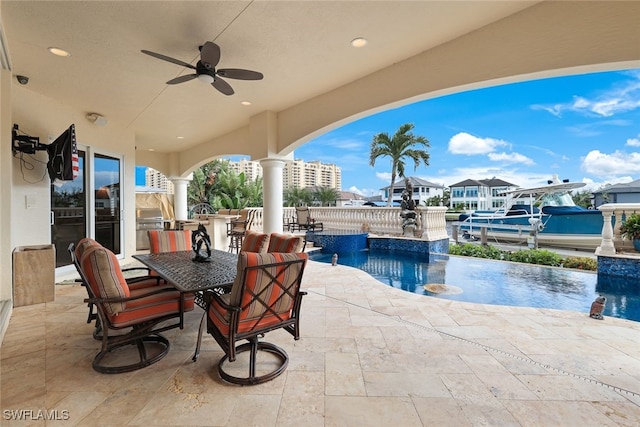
x=545, y=216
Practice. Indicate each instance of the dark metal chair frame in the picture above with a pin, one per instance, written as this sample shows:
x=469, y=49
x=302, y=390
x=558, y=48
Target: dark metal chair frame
x=292, y=324
x=138, y=334
x=93, y=315
x=304, y=222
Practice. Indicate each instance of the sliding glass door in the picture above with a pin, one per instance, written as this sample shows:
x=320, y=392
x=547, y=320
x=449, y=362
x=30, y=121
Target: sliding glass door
x=69, y=213
x=107, y=178
x=90, y=205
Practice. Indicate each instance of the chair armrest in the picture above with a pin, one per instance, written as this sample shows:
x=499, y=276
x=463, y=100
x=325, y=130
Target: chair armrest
x=101, y=300
x=210, y=295
x=147, y=269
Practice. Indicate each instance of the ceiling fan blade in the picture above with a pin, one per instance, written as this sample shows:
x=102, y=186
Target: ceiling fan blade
x=240, y=74
x=210, y=54
x=182, y=79
x=222, y=86
x=168, y=59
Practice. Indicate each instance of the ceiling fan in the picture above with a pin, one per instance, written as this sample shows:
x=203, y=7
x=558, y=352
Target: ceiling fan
x=206, y=69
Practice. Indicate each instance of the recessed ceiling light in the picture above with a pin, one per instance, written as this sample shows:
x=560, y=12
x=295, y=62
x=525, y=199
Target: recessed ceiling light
x=152, y=149
x=58, y=52
x=180, y=137
x=359, y=42
x=246, y=103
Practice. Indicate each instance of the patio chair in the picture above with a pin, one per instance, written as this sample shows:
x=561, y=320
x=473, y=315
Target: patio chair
x=236, y=229
x=265, y=296
x=143, y=280
x=169, y=240
x=286, y=243
x=304, y=220
x=128, y=316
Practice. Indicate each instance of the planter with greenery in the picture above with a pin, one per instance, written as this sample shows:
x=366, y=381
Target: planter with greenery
x=630, y=229
x=529, y=256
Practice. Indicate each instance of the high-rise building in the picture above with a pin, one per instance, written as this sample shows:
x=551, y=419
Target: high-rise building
x=252, y=170
x=156, y=179
x=296, y=173
x=301, y=174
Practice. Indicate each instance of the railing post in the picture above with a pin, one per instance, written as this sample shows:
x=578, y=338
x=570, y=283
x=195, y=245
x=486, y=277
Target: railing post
x=612, y=215
x=606, y=246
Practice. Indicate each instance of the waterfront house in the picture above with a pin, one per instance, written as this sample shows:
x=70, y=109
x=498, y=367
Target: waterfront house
x=618, y=193
x=482, y=194
x=422, y=190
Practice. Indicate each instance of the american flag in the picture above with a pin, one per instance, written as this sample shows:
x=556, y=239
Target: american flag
x=75, y=166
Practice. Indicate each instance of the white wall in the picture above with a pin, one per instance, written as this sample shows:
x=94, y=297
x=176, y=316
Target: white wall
x=39, y=116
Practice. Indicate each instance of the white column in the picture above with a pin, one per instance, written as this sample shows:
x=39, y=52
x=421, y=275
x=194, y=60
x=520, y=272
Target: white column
x=180, y=207
x=272, y=187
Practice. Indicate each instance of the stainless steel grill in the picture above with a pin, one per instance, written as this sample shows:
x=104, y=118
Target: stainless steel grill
x=147, y=219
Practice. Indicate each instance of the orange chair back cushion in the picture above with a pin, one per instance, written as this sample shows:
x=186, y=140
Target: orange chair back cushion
x=254, y=241
x=83, y=245
x=169, y=240
x=104, y=275
x=285, y=243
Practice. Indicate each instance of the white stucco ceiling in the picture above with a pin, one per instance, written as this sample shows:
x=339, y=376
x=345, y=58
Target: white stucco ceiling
x=302, y=48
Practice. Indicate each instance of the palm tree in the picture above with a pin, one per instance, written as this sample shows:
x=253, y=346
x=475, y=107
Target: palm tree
x=295, y=196
x=400, y=146
x=327, y=196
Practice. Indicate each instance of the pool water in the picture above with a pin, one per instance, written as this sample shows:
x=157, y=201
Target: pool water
x=496, y=282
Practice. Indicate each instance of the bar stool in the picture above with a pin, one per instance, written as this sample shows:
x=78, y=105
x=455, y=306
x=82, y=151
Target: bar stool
x=235, y=242
x=237, y=228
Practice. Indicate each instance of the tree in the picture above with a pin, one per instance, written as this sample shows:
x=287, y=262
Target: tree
x=327, y=196
x=216, y=184
x=201, y=188
x=439, y=200
x=402, y=145
x=295, y=196
x=582, y=198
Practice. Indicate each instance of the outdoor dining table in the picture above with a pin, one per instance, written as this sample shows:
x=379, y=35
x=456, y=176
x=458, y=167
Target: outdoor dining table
x=186, y=275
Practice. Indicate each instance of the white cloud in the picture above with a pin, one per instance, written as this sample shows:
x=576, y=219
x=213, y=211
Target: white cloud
x=598, y=185
x=611, y=165
x=385, y=176
x=511, y=158
x=634, y=142
x=366, y=192
x=464, y=143
x=620, y=99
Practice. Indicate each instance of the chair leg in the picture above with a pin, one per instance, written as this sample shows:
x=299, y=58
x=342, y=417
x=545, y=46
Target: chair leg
x=254, y=347
x=199, y=342
x=235, y=243
x=142, y=352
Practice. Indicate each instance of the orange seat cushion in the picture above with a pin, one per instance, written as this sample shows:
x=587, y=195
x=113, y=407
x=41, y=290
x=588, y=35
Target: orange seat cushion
x=152, y=306
x=105, y=277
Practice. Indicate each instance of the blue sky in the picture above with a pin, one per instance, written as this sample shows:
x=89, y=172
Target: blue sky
x=584, y=128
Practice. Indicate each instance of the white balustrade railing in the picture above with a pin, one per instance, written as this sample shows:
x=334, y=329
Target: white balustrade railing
x=431, y=221
x=614, y=215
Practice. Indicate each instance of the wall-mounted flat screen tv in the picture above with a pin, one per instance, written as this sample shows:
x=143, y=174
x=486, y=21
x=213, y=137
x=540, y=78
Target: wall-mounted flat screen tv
x=63, y=157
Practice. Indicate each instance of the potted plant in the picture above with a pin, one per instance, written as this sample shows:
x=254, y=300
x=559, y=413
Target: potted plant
x=630, y=229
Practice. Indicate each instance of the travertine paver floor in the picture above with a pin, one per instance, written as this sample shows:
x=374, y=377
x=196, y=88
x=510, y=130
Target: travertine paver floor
x=369, y=355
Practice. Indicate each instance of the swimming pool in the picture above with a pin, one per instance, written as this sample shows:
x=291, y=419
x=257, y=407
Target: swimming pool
x=496, y=282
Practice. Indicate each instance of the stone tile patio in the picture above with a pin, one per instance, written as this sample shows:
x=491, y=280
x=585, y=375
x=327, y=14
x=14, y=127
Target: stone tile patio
x=369, y=355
